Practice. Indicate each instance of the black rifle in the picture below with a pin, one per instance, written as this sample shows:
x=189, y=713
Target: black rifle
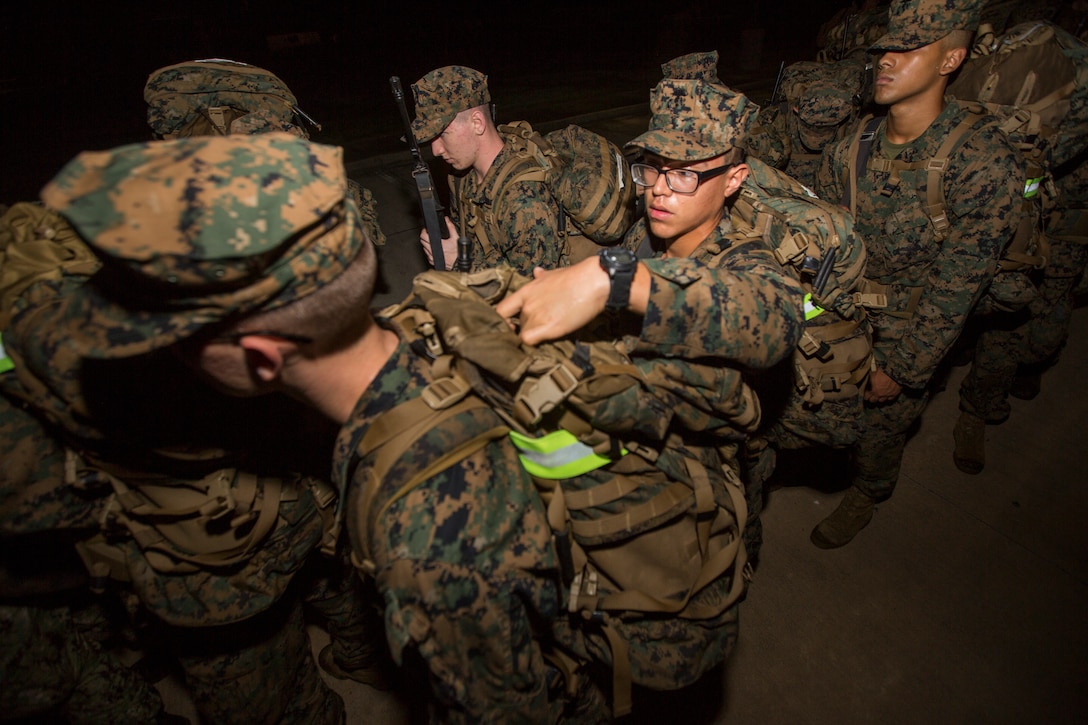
x=845, y=30
x=777, y=83
x=428, y=199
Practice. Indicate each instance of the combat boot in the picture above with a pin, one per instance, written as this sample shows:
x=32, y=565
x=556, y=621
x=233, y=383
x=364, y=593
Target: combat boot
x=854, y=513
x=970, y=437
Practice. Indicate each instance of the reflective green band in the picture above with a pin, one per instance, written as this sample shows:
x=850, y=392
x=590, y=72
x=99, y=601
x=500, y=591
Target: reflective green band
x=557, y=455
x=5, y=361
x=811, y=308
x=1031, y=188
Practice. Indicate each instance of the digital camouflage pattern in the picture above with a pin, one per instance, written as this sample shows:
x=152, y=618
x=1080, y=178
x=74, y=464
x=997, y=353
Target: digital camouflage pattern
x=511, y=221
x=218, y=251
x=914, y=23
x=179, y=98
x=49, y=670
x=693, y=120
x=821, y=101
x=851, y=31
x=694, y=67
x=35, y=494
x=983, y=184
x=260, y=671
x=451, y=555
x=442, y=94
x=463, y=562
x=106, y=405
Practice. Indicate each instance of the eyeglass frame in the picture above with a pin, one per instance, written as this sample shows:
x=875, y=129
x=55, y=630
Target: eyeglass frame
x=700, y=176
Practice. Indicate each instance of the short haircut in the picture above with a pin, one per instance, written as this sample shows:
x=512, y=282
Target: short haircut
x=335, y=314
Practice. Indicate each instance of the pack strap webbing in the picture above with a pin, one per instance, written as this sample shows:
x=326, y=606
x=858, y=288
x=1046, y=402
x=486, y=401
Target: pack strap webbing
x=934, y=167
x=405, y=425
x=151, y=539
x=598, y=195
x=875, y=294
x=675, y=498
x=857, y=155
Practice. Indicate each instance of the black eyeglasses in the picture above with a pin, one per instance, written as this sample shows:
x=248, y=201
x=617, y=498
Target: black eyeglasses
x=682, y=181
x=234, y=337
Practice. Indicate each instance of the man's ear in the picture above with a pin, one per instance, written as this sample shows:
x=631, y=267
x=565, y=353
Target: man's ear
x=479, y=121
x=264, y=356
x=734, y=178
x=953, y=59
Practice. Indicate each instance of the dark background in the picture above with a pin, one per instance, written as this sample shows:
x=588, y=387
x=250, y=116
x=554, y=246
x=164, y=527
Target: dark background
x=70, y=82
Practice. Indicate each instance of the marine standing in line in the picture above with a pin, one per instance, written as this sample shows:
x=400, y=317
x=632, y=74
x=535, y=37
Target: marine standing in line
x=931, y=284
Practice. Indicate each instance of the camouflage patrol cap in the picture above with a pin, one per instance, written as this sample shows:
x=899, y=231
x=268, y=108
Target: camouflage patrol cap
x=825, y=106
x=914, y=23
x=694, y=120
x=693, y=67
x=442, y=94
x=196, y=231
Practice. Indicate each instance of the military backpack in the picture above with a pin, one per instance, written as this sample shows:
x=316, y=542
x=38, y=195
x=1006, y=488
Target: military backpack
x=587, y=175
x=647, y=531
x=816, y=242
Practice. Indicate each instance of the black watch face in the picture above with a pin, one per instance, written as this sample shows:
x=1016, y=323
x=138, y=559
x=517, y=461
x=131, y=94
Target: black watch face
x=618, y=257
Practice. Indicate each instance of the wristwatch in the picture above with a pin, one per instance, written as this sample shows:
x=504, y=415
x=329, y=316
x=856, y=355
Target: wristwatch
x=620, y=264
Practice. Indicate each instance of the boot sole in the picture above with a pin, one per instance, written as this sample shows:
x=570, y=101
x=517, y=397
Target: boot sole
x=968, y=465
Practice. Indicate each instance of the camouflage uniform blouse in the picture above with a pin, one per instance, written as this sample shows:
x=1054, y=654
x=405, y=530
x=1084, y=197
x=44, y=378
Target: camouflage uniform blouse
x=463, y=561
x=983, y=182
x=520, y=220
x=746, y=309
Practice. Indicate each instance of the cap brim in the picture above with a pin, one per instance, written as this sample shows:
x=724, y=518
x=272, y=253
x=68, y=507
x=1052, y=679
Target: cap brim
x=898, y=42
x=428, y=130
x=675, y=145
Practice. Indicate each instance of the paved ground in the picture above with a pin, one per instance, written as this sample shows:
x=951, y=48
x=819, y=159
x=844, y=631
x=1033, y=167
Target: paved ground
x=962, y=602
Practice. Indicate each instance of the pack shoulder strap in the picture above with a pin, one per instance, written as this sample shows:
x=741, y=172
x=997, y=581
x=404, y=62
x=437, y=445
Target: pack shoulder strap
x=482, y=219
x=857, y=156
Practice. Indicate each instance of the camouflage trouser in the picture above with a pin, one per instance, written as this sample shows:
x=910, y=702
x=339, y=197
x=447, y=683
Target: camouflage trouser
x=48, y=668
x=1028, y=337
x=349, y=609
x=878, y=454
x=259, y=671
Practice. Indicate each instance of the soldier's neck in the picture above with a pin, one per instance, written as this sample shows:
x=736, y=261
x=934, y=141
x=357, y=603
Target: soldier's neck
x=909, y=119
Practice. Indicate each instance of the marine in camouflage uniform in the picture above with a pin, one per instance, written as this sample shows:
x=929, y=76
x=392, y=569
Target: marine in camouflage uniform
x=513, y=222
x=696, y=121
x=464, y=562
x=188, y=99
x=1013, y=349
x=104, y=412
x=931, y=286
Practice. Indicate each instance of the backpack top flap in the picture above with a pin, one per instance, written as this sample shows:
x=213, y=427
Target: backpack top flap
x=178, y=94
